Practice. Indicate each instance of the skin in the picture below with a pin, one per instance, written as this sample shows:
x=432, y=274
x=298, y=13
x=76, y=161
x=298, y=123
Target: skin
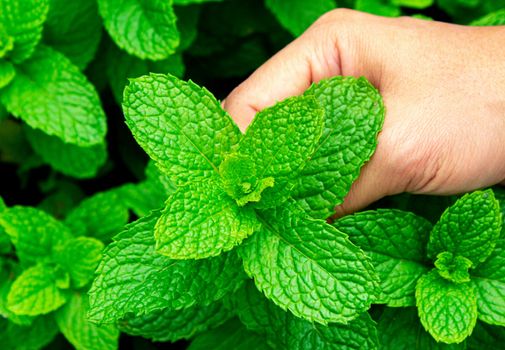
x=443, y=87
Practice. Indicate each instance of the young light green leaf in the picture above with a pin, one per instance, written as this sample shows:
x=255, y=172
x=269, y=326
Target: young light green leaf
x=354, y=115
x=279, y=142
x=200, y=221
x=133, y=278
x=416, y=4
x=35, y=292
x=50, y=94
x=298, y=15
x=448, y=311
x=34, y=233
x=67, y=158
x=144, y=28
x=8, y=274
x=468, y=228
x=453, y=268
x=489, y=281
x=101, y=216
x=180, y=125
x=295, y=260
x=7, y=73
x=173, y=325
x=80, y=257
x=81, y=333
x=396, y=242
x=23, y=21
x=74, y=28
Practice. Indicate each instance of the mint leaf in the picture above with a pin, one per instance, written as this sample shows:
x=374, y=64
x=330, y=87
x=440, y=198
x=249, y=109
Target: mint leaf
x=453, y=268
x=133, y=278
x=49, y=93
x=37, y=335
x=298, y=15
x=74, y=29
x=8, y=273
x=486, y=337
x=173, y=325
x=354, y=115
x=496, y=18
x=23, y=21
x=180, y=125
x=67, y=158
x=7, y=73
x=416, y=4
x=279, y=142
x=468, y=228
x=6, y=42
x=34, y=233
x=378, y=7
x=81, y=333
x=144, y=28
x=80, y=257
x=101, y=216
x=489, y=281
x=448, y=311
x=35, y=292
x=201, y=221
x=396, y=242
x=295, y=260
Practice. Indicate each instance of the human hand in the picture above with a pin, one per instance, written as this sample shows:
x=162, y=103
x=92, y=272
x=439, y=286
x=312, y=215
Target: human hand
x=443, y=86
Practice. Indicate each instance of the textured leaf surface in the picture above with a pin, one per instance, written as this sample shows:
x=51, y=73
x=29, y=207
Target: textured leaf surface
x=74, y=28
x=448, y=311
x=468, y=228
x=489, y=281
x=309, y=267
x=298, y=15
x=279, y=142
x=80, y=257
x=144, y=28
x=285, y=331
x=396, y=242
x=354, y=114
x=23, y=21
x=101, y=216
x=201, y=220
x=81, y=333
x=173, y=325
x=180, y=125
x=133, y=278
x=50, y=94
x=35, y=292
x=7, y=73
x=34, y=233
x=67, y=158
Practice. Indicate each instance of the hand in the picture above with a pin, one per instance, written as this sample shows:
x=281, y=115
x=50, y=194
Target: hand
x=443, y=87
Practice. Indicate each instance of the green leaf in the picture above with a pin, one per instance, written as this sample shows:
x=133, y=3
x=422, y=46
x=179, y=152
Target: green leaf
x=295, y=260
x=8, y=274
x=144, y=28
x=74, y=28
x=35, y=292
x=189, y=2
x=298, y=15
x=415, y=4
x=6, y=42
x=400, y=328
x=448, y=311
x=354, y=116
x=80, y=257
x=496, y=18
x=201, y=221
x=49, y=93
x=284, y=331
x=67, y=158
x=180, y=125
x=378, y=7
x=7, y=73
x=173, y=325
x=453, y=268
x=133, y=278
x=80, y=332
x=396, y=243
x=101, y=216
x=23, y=21
x=489, y=281
x=37, y=335
x=231, y=335
x=34, y=233
x=279, y=142
x=486, y=337
x=468, y=228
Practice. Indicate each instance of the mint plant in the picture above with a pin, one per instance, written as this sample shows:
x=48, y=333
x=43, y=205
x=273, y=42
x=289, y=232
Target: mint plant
x=465, y=246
